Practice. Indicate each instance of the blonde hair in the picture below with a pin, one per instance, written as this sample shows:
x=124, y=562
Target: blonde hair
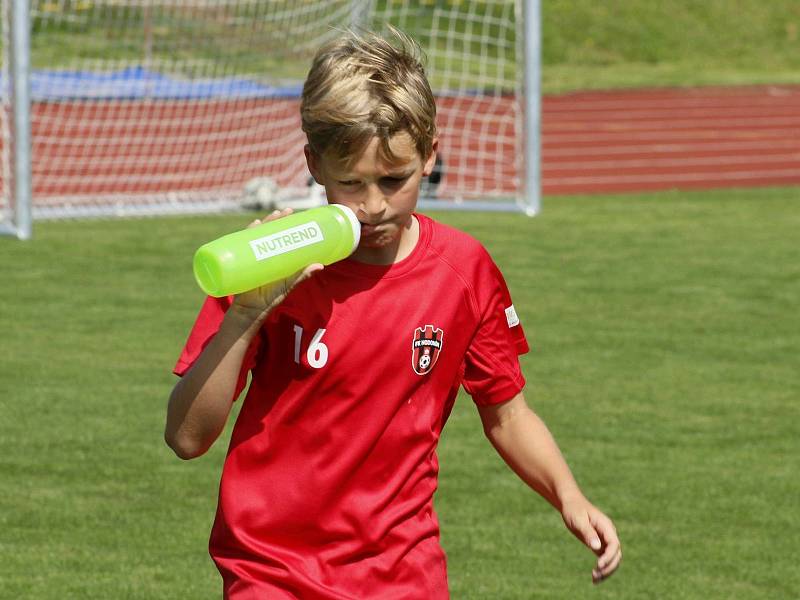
x=361, y=87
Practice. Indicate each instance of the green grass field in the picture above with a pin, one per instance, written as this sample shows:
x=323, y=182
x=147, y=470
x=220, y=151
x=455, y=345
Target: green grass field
x=665, y=332
x=585, y=43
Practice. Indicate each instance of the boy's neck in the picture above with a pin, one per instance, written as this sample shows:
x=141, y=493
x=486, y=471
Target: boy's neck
x=392, y=253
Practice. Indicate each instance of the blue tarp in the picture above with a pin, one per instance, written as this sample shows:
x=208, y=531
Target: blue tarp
x=137, y=83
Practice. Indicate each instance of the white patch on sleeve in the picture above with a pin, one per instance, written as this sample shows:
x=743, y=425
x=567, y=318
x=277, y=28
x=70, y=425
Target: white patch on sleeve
x=511, y=317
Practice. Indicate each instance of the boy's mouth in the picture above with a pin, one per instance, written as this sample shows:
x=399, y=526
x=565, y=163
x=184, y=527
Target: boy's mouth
x=367, y=229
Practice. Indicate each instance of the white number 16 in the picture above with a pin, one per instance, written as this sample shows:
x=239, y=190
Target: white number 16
x=317, y=353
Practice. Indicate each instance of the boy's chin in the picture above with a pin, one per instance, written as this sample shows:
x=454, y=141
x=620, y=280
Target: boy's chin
x=381, y=239
x=376, y=242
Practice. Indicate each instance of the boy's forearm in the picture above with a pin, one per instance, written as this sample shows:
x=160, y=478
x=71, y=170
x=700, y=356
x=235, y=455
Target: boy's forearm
x=528, y=447
x=201, y=401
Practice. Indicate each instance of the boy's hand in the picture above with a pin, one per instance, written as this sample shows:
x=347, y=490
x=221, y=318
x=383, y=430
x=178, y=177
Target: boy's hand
x=597, y=531
x=258, y=303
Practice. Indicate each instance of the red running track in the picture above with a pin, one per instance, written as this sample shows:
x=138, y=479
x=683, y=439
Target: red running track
x=671, y=139
x=621, y=141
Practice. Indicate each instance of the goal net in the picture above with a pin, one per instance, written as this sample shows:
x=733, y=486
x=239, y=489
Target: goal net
x=148, y=107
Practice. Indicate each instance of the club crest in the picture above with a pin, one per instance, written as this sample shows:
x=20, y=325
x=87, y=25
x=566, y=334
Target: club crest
x=425, y=348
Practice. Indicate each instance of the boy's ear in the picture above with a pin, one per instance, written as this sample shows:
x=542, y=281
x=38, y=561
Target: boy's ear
x=427, y=168
x=312, y=160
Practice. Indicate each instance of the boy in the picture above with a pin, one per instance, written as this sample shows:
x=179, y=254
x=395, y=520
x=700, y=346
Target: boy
x=328, y=484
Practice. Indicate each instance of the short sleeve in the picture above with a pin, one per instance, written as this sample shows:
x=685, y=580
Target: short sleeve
x=492, y=372
x=205, y=327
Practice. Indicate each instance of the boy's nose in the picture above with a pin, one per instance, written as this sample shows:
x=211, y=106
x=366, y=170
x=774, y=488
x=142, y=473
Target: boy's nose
x=373, y=205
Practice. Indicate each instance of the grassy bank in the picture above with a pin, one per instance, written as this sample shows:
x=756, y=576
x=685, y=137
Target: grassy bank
x=586, y=44
x=635, y=43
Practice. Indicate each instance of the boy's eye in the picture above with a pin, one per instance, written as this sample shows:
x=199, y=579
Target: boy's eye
x=348, y=182
x=394, y=180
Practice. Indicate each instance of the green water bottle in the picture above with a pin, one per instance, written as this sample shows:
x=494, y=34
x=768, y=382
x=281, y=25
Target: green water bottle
x=272, y=251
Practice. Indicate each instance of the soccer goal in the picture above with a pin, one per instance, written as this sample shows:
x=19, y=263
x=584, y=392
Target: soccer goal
x=134, y=107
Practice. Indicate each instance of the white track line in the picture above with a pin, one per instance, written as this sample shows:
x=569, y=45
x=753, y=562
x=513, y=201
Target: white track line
x=613, y=137
x=714, y=176
x=711, y=122
x=668, y=148
x=688, y=161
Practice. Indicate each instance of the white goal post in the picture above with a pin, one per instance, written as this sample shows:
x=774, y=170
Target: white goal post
x=137, y=107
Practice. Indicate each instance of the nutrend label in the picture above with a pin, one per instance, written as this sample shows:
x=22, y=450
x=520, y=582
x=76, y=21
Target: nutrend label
x=287, y=240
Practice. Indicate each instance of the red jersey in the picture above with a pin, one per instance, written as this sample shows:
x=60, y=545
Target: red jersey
x=327, y=489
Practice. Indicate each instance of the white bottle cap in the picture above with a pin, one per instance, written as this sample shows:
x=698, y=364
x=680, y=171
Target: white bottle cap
x=354, y=223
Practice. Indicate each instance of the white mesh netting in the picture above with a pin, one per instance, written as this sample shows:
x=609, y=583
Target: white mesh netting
x=174, y=106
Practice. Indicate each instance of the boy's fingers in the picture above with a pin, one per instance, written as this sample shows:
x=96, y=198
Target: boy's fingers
x=308, y=272
x=609, y=568
x=611, y=555
x=275, y=214
x=578, y=521
x=606, y=530
x=278, y=213
x=601, y=573
x=589, y=536
x=290, y=283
